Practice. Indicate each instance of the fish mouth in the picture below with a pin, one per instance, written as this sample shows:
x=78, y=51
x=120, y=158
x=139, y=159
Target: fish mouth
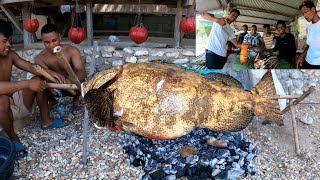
x=102, y=79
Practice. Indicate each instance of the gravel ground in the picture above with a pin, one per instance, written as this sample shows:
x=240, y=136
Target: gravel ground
x=57, y=154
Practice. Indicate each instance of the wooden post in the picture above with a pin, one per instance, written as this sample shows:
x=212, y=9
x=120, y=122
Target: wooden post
x=298, y=100
x=294, y=123
x=177, y=34
x=89, y=23
x=26, y=35
x=12, y=18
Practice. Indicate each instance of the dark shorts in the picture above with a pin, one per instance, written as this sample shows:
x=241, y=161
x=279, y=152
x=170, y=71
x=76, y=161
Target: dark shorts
x=214, y=61
x=306, y=65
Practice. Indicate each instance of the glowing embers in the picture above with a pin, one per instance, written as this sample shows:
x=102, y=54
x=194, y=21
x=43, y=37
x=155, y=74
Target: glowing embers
x=162, y=159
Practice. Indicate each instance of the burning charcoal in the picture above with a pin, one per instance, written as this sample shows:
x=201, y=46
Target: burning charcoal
x=252, y=148
x=173, y=171
x=252, y=170
x=236, y=157
x=242, y=153
x=192, y=159
x=215, y=172
x=241, y=161
x=230, y=159
x=171, y=177
x=222, y=167
x=150, y=165
x=180, y=171
x=222, y=153
x=238, y=137
x=222, y=175
x=216, y=143
x=159, y=174
x=191, y=171
x=244, y=145
x=235, y=165
x=250, y=157
x=137, y=162
x=213, y=162
x=221, y=161
x=235, y=173
x=146, y=177
x=186, y=151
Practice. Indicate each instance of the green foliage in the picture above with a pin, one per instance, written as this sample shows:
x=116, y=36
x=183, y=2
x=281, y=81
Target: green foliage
x=297, y=29
x=203, y=30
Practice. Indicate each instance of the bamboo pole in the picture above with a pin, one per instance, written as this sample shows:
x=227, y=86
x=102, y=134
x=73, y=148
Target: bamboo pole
x=45, y=74
x=62, y=86
x=298, y=100
x=72, y=76
x=285, y=97
x=294, y=123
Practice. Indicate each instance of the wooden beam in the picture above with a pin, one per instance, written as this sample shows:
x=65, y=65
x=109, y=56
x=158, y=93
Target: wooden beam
x=177, y=34
x=26, y=35
x=271, y=19
x=250, y=22
x=89, y=23
x=281, y=4
x=260, y=10
x=12, y=18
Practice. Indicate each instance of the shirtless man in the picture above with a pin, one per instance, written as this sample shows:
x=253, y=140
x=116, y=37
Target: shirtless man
x=49, y=60
x=16, y=98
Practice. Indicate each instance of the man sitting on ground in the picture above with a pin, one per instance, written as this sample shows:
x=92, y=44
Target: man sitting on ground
x=48, y=59
x=16, y=98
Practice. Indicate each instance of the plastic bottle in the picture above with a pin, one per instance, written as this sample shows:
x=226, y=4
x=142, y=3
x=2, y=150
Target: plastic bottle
x=244, y=54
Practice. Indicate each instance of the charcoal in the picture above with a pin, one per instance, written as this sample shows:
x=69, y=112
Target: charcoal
x=160, y=159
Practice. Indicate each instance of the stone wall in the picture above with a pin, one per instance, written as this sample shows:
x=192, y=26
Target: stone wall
x=110, y=56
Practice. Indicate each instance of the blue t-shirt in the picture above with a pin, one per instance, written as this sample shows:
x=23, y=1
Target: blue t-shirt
x=313, y=40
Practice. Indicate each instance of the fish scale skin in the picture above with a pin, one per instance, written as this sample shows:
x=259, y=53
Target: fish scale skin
x=185, y=100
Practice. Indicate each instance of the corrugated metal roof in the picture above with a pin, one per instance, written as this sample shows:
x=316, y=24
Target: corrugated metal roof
x=256, y=12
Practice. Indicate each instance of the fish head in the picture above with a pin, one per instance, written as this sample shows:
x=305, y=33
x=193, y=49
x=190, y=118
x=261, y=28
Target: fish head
x=102, y=79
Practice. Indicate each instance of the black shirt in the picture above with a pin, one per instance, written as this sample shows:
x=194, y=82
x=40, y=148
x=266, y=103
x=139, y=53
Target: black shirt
x=242, y=35
x=286, y=46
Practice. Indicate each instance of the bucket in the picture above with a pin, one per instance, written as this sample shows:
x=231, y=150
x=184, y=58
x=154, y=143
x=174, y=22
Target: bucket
x=7, y=154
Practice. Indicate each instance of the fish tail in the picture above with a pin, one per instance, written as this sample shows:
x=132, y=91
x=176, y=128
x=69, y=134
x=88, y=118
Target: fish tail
x=262, y=104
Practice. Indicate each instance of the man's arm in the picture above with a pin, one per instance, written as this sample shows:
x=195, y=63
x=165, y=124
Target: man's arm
x=12, y=87
x=301, y=57
x=235, y=42
x=78, y=65
x=23, y=64
x=40, y=62
x=208, y=17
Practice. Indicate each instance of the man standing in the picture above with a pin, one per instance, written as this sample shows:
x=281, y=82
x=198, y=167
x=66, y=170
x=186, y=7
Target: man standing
x=48, y=59
x=221, y=32
x=242, y=35
x=312, y=52
x=16, y=98
x=286, y=43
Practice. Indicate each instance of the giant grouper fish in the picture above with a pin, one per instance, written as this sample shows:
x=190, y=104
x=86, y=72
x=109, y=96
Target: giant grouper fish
x=162, y=101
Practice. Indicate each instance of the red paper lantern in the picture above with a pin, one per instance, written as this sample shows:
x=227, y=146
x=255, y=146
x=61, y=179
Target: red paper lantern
x=77, y=35
x=31, y=25
x=138, y=34
x=188, y=25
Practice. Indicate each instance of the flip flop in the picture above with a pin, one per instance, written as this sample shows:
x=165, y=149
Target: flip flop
x=20, y=148
x=57, y=123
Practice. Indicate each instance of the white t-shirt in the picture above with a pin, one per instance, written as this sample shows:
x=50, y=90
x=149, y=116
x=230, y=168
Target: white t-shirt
x=218, y=38
x=313, y=40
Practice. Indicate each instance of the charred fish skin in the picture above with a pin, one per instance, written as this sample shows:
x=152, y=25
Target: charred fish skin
x=163, y=101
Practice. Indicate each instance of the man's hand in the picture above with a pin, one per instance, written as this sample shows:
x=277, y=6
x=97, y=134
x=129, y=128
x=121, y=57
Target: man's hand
x=299, y=61
x=37, y=85
x=208, y=17
x=59, y=77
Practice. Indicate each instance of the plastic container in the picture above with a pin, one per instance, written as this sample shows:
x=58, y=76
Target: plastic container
x=7, y=155
x=244, y=54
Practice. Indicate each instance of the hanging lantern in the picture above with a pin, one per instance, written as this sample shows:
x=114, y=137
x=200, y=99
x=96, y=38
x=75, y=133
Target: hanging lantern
x=31, y=25
x=138, y=34
x=77, y=35
x=188, y=25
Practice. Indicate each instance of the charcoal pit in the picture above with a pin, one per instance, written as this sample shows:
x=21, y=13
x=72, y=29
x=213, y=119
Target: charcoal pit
x=160, y=159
